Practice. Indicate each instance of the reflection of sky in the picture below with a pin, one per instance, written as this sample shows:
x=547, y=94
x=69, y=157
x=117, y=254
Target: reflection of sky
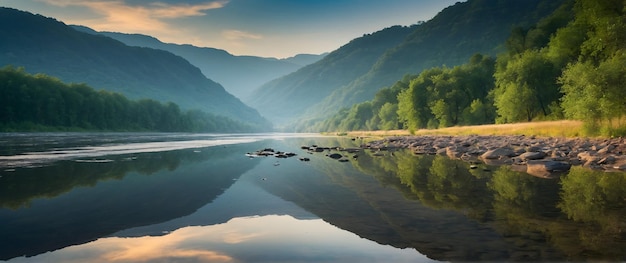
x=162, y=143
x=246, y=239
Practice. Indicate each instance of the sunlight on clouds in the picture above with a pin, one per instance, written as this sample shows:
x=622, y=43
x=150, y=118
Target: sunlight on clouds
x=239, y=35
x=118, y=16
x=174, y=11
x=272, y=238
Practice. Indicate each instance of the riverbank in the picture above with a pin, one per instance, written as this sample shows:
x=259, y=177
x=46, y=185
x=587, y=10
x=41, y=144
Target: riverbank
x=540, y=156
x=564, y=128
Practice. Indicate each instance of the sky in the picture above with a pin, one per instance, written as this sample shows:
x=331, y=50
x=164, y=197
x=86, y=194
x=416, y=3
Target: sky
x=265, y=28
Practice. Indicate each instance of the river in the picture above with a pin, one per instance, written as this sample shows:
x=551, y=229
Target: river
x=161, y=197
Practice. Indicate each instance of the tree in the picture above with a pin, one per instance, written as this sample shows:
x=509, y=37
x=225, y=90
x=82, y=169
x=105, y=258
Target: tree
x=595, y=94
x=526, y=85
x=388, y=116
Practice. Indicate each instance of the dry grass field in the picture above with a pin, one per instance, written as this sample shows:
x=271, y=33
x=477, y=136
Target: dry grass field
x=544, y=128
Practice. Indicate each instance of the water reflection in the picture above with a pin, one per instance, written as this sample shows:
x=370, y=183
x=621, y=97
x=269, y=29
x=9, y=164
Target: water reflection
x=218, y=205
x=578, y=216
x=68, y=203
x=247, y=239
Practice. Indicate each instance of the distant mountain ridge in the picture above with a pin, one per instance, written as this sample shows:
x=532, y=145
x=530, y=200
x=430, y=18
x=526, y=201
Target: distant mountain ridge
x=239, y=75
x=45, y=45
x=287, y=97
x=450, y=38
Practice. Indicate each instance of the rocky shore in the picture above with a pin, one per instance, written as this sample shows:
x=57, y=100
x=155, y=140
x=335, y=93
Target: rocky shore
x=539, y=156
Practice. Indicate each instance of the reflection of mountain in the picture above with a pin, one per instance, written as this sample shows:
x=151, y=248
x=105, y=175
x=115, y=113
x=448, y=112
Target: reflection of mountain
x=242, y=199
x=185, y=181
x=360, y=204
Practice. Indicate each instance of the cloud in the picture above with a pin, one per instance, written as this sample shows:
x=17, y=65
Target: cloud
x=117, y=15
x=235, y=35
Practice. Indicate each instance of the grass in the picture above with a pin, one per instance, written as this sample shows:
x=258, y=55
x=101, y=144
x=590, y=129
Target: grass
x=543, y=129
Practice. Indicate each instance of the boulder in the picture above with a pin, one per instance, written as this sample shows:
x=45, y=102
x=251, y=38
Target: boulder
x=455, y=152
x=498, y=153
x=532, y=156
x=546, y=169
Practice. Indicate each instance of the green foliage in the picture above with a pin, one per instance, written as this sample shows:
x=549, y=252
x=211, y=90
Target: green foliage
x=438, y=97
x=41, y=102
x=525, y=87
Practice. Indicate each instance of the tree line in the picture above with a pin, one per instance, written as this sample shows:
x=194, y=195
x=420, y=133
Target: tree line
x=40, y=102
x=570, y=65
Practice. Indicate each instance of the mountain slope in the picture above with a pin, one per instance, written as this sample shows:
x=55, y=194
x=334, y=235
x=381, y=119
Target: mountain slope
x=238, y=74
x=282, y=99
x=450, y=38
x=44, y=45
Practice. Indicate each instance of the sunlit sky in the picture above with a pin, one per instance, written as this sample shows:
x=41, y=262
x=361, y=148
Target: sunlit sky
x=267, y=28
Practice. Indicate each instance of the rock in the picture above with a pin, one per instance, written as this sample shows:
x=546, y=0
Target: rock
x=304, y=159
x=588, y=157
x=335, y=156
x=455, y=152
x=317, y=149
x=606, y=149
x=532, y=156
x=546, y=168
x=498, y=153
x=620, y=163
x=607, y=160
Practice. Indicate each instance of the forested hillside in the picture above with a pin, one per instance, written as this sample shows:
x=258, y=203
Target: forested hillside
x=568, y=65
x=284, y=98
x=44, y=45
x=450, y=38
x=239, y=75
x=40, y=102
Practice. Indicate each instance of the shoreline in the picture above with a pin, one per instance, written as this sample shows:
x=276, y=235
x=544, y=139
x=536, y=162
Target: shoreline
x=539, y=156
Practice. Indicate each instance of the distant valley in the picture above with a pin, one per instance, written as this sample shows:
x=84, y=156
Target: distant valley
x=239, y=75
x=44, y=45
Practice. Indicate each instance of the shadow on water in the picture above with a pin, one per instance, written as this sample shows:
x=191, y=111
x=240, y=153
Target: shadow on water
x=69, y=202
x=448, y=211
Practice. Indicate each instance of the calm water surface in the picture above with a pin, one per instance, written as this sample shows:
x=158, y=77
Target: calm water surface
x=117, y=197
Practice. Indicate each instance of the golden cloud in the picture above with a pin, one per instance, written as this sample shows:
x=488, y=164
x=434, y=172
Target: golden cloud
x=117, y=15
x=239, y=35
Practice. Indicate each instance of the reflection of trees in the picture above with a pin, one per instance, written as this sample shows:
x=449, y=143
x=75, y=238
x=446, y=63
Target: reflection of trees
x=436, y=181
x=585, y=221
x=597, y=201
x=451, y=185
x=22, y=186
x=527, y=194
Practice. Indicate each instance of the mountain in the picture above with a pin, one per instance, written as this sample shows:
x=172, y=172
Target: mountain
x=284, y=98
x=44, y=45
x=450, y=38
x=238, y=74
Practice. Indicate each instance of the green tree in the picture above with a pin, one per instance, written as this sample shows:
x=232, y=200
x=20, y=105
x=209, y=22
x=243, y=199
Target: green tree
x=526, y=85
x=595, y=94
x=388, y=116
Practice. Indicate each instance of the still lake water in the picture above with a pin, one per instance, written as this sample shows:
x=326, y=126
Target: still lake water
x=118, y=197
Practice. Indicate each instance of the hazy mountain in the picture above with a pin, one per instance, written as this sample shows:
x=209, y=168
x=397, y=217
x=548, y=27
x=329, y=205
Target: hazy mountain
x=450, y=38
x=44, y=45
x=238, y=74
x=284, y=98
